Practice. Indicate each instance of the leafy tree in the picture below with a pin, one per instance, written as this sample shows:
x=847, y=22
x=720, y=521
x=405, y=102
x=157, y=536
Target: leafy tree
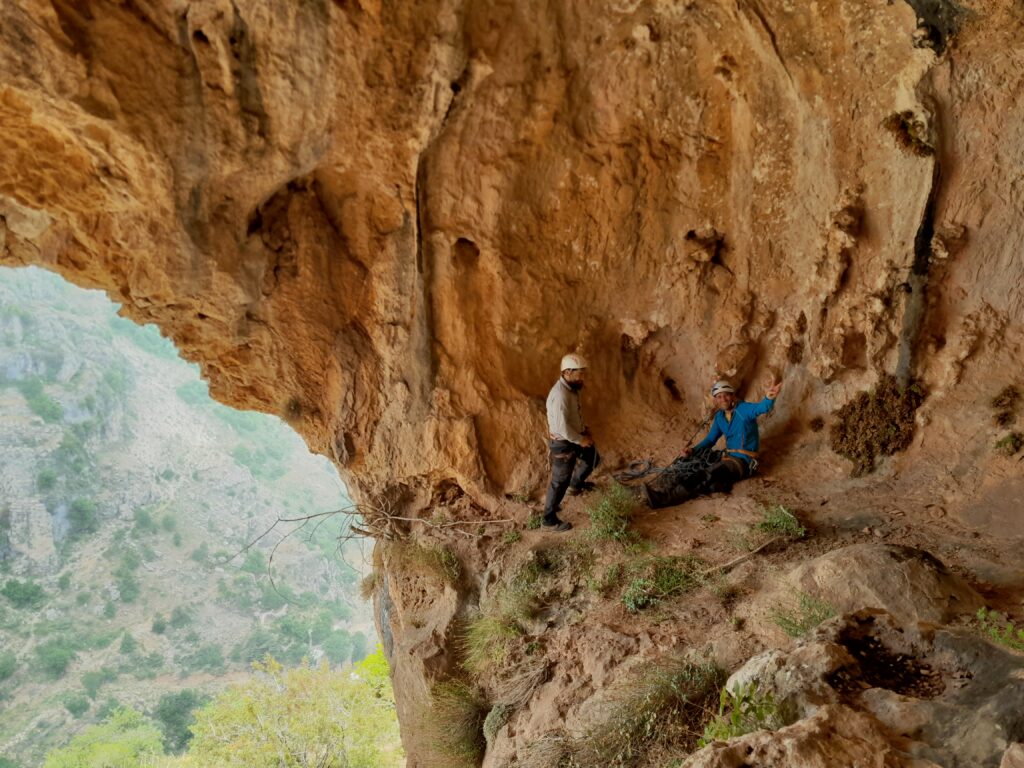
x=122, y=741
x=338, y=646
x=24, y=594
x=6, y=762
x=359, y=647
x=144, y=522
x=174, y=713
x=301, y=716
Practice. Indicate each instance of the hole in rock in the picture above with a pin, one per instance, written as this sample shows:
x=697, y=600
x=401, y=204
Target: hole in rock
x=144, y=552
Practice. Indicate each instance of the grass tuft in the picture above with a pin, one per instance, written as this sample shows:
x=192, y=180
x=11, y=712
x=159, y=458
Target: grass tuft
x=780, y=521
x=655, y=579
x=1010, y=444
x=665, y=704
x=438, y=560
x=610, y=515
x=456, y=722
x=797, y=620
x=499, y=715
x=1000, y=629
x=369, y=584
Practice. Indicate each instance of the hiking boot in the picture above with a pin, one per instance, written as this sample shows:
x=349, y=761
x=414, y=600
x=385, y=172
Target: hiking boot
x=559, y=526
x=584, y=487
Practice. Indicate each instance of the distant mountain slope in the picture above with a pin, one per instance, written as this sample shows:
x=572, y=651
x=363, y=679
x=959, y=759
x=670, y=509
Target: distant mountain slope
x=124, y=493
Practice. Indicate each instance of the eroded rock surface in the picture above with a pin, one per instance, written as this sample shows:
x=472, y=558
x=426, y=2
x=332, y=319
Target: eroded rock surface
x=385, y=222
x=920, y=694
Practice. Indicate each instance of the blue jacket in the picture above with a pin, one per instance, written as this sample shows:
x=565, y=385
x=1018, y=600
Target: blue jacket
x=740, y=431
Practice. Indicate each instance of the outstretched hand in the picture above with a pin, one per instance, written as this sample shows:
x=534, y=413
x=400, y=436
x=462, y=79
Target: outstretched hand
x=773, y=389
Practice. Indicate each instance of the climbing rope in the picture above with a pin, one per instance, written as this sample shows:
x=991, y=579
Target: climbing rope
x=681, y=469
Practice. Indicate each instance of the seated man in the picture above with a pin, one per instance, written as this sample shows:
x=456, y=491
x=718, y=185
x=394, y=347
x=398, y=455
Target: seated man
x=736, y=420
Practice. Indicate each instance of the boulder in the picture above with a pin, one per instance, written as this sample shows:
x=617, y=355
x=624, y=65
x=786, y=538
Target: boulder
x=909, y=583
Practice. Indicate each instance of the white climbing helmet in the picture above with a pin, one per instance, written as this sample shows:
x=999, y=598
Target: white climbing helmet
x=573, y=362
x=721, y=386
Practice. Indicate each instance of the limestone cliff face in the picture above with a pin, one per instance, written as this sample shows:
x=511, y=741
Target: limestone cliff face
x=386, y=221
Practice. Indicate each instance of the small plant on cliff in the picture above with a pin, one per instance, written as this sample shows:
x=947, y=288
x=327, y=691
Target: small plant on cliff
x=798, y=620
x=1000, y=629
x=666, y=704
x=741, y=711
x=455, y=723
x=780, y=521
x=610, y=515
x=1010, y=444
x=434, y=559
x=876, y=423
x=655, y=579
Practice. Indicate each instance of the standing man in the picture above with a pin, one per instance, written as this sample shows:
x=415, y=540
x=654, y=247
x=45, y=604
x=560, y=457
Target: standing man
x=570, y=441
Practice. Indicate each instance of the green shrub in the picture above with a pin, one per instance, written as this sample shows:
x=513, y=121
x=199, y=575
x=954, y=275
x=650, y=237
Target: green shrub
x=143, y=522
x=780, y=521
x=46, y=480
x=798, y=620
x=206, y=658
x=535, y=522
x=180, y=617
x=201, y=554
x=1000, y=629
x=1010, y=444
x=24, y=594
x=255, y=563
x=77, y=704
x=456, y=722
x=128, y=644
x=64, y=582
x=610, y=515
x=38, y=401
x=8, y=664
x=83, y=519
x=54, y=656
x=94, y=680
x=159, y=625
x=655, y=579
x=741, y=711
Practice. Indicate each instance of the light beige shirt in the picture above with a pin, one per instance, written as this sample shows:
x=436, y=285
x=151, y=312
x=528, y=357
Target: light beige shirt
x=565, y=419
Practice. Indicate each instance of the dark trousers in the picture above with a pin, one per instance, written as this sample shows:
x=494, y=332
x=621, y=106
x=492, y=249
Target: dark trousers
x=565, y=458
x=719, y=477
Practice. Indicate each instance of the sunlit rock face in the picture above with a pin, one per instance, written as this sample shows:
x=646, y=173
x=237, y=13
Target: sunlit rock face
x=386, y=221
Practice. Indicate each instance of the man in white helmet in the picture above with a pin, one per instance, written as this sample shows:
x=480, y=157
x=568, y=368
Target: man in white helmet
x=736, y=421
x=571, y=446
